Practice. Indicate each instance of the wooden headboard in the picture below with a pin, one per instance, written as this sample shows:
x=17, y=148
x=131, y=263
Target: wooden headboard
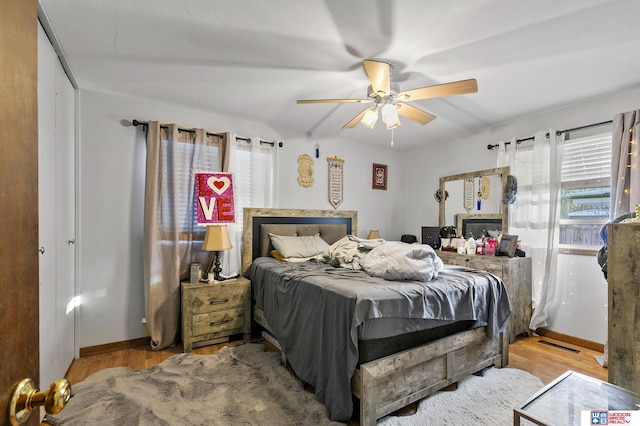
x=258, y=222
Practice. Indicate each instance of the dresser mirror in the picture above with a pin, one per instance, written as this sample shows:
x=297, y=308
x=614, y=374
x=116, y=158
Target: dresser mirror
x=473, y=202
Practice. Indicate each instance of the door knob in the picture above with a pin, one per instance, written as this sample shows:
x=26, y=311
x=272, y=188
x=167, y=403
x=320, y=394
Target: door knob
x=25, y=398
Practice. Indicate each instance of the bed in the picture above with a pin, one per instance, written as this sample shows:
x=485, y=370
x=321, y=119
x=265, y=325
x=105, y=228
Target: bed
x=346, y=342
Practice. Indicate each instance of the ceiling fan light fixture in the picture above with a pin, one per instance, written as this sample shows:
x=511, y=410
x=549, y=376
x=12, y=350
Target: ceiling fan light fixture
x=370, y=117
x=386, y=95
x=390, y=116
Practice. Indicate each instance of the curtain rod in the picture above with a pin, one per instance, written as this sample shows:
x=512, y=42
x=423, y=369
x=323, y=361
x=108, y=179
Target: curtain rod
x=144, y=124
x=558, y=132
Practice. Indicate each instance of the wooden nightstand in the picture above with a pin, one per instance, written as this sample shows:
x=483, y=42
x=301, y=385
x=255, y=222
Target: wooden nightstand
x=215, y=311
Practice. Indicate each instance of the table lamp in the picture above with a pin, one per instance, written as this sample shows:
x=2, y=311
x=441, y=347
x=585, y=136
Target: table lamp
x=216, y=239
x=373, y=234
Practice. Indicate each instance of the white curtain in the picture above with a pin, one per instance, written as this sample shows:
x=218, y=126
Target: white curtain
x=625, y=163
x=252, y=162
x=535, y=215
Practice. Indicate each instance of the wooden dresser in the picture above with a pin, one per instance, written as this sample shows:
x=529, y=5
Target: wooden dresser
x=623, y=275
x=213, y=312
x=515, y=272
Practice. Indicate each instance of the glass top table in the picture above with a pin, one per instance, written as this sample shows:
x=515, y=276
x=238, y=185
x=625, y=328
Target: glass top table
x=562, y=401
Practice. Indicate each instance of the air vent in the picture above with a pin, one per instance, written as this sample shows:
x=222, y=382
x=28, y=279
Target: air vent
x=555, y=345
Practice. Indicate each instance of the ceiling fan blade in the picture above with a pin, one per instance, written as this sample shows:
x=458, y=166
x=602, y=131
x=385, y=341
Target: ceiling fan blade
x=379, y=75
x=447, y=89
x=354, y=122
x=413, y=113
x=332, y=101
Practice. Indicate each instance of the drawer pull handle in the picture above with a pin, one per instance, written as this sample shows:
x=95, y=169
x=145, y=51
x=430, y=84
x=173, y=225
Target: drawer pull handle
x=224, y=321
x=218, y=302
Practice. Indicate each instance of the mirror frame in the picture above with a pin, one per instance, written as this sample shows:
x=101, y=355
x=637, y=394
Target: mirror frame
x=503, y=171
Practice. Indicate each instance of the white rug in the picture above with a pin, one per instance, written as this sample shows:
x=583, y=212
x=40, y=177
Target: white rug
x=487, y=400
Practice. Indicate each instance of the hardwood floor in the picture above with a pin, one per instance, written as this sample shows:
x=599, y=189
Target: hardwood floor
x=527, y=353
x=543, y=360
x=548, y=362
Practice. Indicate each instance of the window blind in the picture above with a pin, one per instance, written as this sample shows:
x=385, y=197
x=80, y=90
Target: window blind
x=587, y=159
x=177, y=202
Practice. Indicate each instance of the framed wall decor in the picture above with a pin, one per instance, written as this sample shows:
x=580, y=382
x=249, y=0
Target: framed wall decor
x=379, y=178
x=215, y=202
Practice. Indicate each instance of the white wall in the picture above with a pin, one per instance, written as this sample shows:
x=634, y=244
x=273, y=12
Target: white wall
x=377, y=209
x=112, y=163
x=580, y=281
x=112, y=190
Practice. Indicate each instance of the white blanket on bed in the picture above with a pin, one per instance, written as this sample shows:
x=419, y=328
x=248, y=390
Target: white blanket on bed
x=395, y=260
x=391, y=260
x=349, y=251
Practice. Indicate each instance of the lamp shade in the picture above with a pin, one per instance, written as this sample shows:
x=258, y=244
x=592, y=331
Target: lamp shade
x=217, y=238
x=373, y=234
x=370, y=117
x=390, y=116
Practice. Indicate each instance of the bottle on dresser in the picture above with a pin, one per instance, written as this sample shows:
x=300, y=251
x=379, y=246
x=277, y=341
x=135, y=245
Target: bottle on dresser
x=471, y=245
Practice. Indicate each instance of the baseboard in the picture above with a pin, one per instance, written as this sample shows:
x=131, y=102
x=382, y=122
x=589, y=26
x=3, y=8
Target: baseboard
x=115, y=346
x=599, y=347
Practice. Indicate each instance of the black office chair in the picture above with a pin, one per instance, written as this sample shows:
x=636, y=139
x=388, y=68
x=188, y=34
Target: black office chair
x=408, y=238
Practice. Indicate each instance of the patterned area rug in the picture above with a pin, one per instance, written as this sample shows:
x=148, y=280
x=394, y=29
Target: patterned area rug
x=247, y=386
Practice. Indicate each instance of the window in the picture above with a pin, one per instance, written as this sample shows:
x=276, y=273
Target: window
x=177, y=198
x=585, y=191
x=252, y=169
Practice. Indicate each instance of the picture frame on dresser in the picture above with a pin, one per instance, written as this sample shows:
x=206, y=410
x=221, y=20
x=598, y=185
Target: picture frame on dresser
x=507, y=246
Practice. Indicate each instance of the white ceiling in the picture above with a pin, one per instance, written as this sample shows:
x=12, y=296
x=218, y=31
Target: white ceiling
x=255, y=58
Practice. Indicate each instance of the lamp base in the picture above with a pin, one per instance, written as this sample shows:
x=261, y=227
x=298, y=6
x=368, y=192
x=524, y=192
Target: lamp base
x=216, y=266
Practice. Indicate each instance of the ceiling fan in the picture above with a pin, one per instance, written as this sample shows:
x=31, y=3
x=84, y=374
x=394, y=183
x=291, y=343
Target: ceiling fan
x=391, y=102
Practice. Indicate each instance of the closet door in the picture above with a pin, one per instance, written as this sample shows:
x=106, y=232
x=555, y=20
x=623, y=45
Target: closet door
x=56, y=214
x=65, y=220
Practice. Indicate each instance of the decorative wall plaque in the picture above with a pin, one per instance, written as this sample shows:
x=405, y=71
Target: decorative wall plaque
x=214, y=198
x=469, y=194
x=336, y=171
x=305, y=170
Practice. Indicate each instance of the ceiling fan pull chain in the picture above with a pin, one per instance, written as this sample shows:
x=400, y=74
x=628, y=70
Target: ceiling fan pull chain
x=317, y=150
x=391, y=138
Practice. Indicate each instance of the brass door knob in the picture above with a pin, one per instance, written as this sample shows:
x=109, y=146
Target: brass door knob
x=25, y=398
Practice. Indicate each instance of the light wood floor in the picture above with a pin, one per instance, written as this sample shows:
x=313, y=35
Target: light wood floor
x=526, y=353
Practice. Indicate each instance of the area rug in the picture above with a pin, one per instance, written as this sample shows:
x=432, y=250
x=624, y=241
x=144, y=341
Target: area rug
x=488, y=399
x=245, y=385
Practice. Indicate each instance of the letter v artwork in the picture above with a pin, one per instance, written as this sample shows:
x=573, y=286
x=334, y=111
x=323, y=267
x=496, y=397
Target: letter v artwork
x=214, y=198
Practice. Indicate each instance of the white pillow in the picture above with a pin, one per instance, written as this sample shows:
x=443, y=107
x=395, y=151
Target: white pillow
x=275, y=254
x=301, y=246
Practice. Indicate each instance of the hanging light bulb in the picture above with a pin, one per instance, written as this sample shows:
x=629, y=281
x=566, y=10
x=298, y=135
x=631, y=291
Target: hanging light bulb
x=370, y=117
x=390, y=116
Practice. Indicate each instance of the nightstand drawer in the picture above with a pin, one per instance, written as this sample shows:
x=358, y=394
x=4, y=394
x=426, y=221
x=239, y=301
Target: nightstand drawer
x=220, y=321
x=208, y=299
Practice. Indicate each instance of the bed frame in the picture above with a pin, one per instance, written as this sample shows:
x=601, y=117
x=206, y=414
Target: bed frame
x=392, y=382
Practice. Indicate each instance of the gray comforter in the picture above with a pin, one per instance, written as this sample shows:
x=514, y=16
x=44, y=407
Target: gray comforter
x=315, y=310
